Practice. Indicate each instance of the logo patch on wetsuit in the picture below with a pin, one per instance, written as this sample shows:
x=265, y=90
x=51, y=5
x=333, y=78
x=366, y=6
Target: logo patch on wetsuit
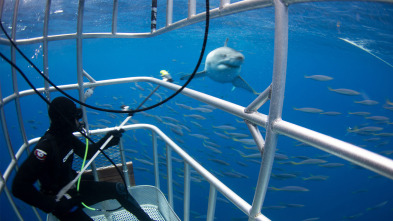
x=40, y=154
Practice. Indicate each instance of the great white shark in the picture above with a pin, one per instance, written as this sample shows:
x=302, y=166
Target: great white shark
x=223, y=65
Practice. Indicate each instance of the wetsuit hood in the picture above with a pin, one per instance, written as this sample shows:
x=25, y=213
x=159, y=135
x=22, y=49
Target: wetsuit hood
x=63, y=113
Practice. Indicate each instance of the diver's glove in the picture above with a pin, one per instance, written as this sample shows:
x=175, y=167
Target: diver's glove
x=66, y=205
x=116, y=137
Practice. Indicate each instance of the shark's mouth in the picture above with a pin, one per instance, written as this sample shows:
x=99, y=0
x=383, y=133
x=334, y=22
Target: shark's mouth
x=231, y=65
x=233, y=62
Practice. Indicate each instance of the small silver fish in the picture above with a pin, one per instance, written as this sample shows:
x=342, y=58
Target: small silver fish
x=183, y=106
x=224, y=127
x=378, y=118
x=196, y=116
x=309, y=110
x=331, y=113
x=319, y=77
x=367, y=102
x=360, y=113
x=345, y=91
x=290, y=189
x=203, y=110
x=199, y=136
x=220, y=162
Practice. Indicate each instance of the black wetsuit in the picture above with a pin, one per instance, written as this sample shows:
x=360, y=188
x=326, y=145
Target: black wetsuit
x=50, y=163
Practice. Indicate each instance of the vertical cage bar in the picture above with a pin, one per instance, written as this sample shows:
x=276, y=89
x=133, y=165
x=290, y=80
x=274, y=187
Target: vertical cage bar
x=14, y=20
x=280, y=59
x=124, y=162
x=169, y=174
x=153, y=24
x=212, y=203
x=191, y=8
x=15, y=79
x=87, y=126
x=5, y=129
x=155, y=158
x=186, y=201
x=79, y=53
x=223, y=3
x=169, y=12
x=1, y=9
x=94, y=171
x=79, y=61
x=114, y=16
x=79, y=67
x=45, y=48
x=276, y=103
x=14, y=74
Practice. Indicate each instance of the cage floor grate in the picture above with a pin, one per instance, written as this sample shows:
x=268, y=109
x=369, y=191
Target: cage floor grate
x=124, y=215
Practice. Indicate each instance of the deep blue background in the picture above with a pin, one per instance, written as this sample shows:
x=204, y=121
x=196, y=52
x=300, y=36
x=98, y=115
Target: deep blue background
x=349, y=193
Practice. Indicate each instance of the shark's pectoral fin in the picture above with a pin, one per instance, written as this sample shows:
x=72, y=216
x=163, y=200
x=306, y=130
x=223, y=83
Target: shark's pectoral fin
x=240, y=82
x=197, y=75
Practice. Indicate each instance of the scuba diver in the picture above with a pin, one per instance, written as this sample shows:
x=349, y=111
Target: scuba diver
x=50, y=163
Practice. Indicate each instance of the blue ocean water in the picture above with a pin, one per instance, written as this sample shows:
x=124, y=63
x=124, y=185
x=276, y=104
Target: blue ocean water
x=351, y=42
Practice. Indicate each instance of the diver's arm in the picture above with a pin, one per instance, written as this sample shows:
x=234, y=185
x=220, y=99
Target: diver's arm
x=23, y=185
x=80, y=147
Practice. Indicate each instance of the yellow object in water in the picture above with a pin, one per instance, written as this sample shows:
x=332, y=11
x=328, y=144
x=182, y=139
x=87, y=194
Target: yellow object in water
x=163, y=73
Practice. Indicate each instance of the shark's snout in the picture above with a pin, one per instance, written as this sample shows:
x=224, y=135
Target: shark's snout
x=240, y=58
x=235, y=61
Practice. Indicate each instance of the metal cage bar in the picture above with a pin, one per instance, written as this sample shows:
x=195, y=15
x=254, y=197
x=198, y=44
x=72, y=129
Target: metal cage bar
x=260, y=100
x=169, y=12
x=169, y=174
x=114, y=16
x=79, y=53
x=124, y=163
x=45, y=47
x=14, y=75
x=186, y=201
x=153, y=22
x=212, y=203
x=276, y=103
x=155, y=158
x=1, y=8
x=260, y=142
x=191, y=8
x=6, y=136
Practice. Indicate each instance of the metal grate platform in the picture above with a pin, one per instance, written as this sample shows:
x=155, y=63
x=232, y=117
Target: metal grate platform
x=124, y=215
x=150, y=198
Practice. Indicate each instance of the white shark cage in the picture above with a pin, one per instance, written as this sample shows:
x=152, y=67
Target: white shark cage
x=273, y=122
